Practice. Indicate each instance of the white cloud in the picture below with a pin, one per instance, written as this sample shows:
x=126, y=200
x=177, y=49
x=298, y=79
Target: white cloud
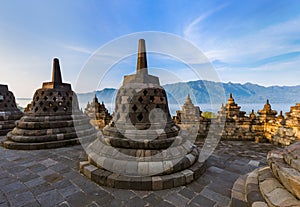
x=270, y=41
x=79, y=49
x=188, y=31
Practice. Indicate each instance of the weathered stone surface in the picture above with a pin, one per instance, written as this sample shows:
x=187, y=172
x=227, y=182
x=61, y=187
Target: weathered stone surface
x=9, y=113
x=52, y=119
x=279, y=183
x=98, y=114
x=143, y=135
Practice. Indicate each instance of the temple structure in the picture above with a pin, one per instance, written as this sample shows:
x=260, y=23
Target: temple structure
x=285, y=130
x=190, y=118
x=98, y=114
x=52, y=119
x=9, y=112
x=265, y=126
x=267, y=114
x=141, y=148
x=237, y=125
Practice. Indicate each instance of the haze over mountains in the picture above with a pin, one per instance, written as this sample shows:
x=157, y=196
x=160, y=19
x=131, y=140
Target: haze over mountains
x=242, y=93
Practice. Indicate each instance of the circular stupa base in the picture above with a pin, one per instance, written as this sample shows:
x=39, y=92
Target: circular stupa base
x=46, y=145
x=104, y=177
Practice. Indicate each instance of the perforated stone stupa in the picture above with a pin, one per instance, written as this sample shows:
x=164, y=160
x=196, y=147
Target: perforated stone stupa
x=141, y=148
x=52, y=119
x=9, y=112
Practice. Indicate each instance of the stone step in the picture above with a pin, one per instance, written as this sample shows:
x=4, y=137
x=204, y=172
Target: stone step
x=156, y=182
x=273, y=192
x=286, y=174
x=292, y=156
x=238, y=193
x=252, y=192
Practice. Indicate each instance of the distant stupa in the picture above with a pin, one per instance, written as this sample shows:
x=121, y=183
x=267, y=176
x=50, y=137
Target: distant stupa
x=141, y=148
x=52, y=119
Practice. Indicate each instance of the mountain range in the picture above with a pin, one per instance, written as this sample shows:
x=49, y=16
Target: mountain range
x=242, y=93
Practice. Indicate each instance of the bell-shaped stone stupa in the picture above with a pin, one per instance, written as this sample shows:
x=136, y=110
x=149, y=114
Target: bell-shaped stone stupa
x=141, y=148
x=9, y=112
x=52, y=119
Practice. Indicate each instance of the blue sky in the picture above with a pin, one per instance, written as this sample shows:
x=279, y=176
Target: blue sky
x=246, y=41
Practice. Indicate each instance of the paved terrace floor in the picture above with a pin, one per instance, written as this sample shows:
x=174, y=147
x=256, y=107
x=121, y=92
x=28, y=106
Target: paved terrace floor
x=51, y=178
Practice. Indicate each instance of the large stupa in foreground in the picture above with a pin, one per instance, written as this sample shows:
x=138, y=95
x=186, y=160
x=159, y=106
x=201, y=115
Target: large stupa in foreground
x=141, y=148
x=52, y=119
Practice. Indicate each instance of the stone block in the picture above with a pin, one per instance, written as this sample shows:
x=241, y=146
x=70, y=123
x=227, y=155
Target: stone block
x=168, y=181
x=88, y=170
x=157, y=183
x=111, y=179
x=82, y=164
x=189, y=176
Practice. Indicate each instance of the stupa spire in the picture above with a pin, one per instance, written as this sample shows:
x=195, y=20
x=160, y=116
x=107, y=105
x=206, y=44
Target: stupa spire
x=56, y=74
x=141, y=66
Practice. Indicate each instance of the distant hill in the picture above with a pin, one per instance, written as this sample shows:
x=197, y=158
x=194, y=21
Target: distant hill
x=243, y=93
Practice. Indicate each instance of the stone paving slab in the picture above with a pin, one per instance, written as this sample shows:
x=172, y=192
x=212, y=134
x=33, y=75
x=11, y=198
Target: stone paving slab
x=52, y=178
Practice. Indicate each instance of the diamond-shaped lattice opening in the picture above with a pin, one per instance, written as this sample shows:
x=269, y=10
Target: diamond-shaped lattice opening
x=37, y=98
x=41, y=103
x=145, y=92
x=54, y=98
x=45, y=98
x=51, y=93
x=44, y=109
x=43, y=92
x=55, y=109
x=145, y=108
x=161, y=99
x=5, y=105
x=36, y=109
x=140, y=117
x=140, y=99
x=155, y=91
x=134, y=108
x=157, y=106
x=68, y=103
x=123, y=108
x=59, y=93
x=151, y=98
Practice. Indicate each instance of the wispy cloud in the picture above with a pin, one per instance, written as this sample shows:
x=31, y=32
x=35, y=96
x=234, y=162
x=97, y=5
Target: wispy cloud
x=191, y=26
x=274, y=43
x=79, y=49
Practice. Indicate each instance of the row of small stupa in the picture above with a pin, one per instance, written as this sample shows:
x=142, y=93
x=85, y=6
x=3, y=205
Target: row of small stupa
x=266, y=125
x=140, y=148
